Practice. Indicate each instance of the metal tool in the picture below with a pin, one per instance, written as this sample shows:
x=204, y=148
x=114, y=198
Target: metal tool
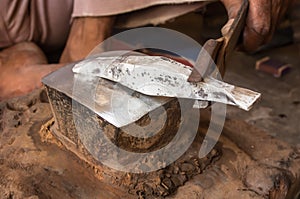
x=219, y=50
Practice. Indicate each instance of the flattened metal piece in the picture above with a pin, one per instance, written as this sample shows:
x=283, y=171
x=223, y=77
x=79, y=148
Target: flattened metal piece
x=118, y=105
x=156, y=79
x=160, y=76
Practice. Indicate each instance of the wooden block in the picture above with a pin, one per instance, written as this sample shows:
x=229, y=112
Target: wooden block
x=272, y=66
x=64, y=110
x=86, y=143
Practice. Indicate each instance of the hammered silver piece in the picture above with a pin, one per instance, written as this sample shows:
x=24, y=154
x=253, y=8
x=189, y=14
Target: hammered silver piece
x=161, y=76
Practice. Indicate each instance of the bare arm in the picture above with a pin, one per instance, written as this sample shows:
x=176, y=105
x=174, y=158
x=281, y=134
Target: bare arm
x=85, y=34
x=263, y=17
x=23, y=65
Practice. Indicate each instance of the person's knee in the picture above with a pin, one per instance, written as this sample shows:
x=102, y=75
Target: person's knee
x=19, y=69
x=25, y=53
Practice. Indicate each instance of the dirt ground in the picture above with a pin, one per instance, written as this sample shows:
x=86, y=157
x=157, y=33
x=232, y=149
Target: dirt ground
x=32, y=169
x=35, y=165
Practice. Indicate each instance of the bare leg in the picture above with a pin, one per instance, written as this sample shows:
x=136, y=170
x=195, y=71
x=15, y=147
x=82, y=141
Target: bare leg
x=23, y=65
x=86, y=33
x=21, y=68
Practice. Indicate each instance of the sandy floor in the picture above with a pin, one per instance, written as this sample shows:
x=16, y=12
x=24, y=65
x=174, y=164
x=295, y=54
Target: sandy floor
x=32, y=169
x=35, y=165
x=278, y=112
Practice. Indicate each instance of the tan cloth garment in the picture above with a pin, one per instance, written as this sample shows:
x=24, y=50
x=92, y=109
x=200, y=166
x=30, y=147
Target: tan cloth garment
x=134, y=13
x=113, y=7
x=47, y=22
x=155, y=15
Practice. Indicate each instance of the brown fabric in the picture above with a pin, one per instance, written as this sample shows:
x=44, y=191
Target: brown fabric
x=134, y=13
x=156, y=14
x=113, y=7
x=47, y=22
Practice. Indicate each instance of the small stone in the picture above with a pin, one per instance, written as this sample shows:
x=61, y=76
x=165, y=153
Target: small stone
x=187, y=167
x=178, y=180
x=176, y=170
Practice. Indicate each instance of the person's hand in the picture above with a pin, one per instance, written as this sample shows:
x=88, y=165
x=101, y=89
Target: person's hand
x=263, y=17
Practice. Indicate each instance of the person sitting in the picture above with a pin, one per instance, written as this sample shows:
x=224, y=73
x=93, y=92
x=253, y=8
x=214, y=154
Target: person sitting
x=31, y=28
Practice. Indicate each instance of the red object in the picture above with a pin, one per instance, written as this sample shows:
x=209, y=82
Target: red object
x=175, y=58
x=272, y=66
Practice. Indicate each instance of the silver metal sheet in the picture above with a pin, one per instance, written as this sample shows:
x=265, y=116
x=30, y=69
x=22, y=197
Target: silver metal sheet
x=160, y=76
x=116, y=104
